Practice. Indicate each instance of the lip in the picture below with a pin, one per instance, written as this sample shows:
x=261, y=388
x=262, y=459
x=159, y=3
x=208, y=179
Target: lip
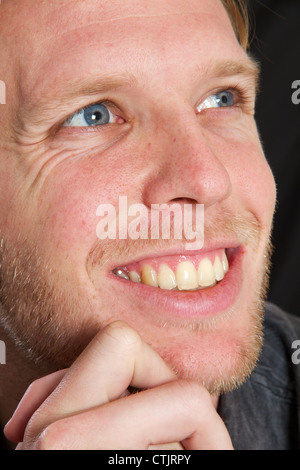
x=177, y=251
x=203, y=303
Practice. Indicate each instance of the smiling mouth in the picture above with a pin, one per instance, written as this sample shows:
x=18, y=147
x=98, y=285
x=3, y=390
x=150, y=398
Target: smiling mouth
x=179, y=273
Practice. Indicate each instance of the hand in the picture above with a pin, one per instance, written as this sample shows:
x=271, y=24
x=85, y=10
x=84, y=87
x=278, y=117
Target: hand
x=88, y=406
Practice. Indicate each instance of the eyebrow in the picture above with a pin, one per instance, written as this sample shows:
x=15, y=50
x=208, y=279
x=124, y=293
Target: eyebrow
x=66, y=94
x=248, y=68
x=94, y=87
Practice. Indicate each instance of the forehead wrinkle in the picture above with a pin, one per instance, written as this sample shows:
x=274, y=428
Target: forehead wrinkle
x=85, y=19
x=54, y=25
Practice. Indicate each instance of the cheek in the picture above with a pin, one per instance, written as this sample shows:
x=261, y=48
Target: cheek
x=68, y=206
x=253, y=182
x=258, y=188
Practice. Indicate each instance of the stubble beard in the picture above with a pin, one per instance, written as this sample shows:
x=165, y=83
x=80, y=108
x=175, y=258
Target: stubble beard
x=50, y=336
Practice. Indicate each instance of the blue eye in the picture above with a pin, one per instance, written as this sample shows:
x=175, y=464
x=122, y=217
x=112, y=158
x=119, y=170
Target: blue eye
x=219, y=100
x=91, y=116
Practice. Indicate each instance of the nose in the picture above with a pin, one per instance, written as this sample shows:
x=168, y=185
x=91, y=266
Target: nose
x=187, y=167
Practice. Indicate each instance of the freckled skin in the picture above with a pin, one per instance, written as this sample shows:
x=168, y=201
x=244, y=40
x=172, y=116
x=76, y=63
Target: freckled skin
x=51, y=185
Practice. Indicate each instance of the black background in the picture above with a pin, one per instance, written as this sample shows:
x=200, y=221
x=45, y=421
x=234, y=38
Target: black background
x=276, y=44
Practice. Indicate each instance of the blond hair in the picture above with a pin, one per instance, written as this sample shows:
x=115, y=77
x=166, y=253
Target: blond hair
x=238, y=14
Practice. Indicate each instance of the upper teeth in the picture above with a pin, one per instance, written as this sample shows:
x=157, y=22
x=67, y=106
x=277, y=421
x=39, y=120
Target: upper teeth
x=186, y=277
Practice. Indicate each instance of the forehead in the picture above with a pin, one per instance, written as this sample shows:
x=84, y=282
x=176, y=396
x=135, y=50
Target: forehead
x=55, y=39
x=43, y=14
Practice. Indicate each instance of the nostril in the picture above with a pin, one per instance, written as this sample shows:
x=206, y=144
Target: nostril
x=184, y=200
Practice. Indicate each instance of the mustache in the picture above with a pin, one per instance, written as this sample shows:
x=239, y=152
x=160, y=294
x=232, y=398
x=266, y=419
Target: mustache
x=244, y=228
x=225, y=224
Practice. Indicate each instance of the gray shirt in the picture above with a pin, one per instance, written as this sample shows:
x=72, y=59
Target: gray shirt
x=264, y=413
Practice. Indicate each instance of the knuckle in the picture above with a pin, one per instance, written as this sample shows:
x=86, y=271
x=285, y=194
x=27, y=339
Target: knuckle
x=33, y=388
x=126, y=337
x=33, y=427
x=52, y=437
x=195, y=398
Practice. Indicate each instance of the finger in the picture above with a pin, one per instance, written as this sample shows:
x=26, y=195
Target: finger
x=36, y=393
x=173, y=412
x=115, y=359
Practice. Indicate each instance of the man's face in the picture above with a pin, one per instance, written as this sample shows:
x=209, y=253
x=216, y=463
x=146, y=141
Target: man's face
x=161, y=71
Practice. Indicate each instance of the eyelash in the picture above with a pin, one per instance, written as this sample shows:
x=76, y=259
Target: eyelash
x=111, y=108
x=244, y=97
